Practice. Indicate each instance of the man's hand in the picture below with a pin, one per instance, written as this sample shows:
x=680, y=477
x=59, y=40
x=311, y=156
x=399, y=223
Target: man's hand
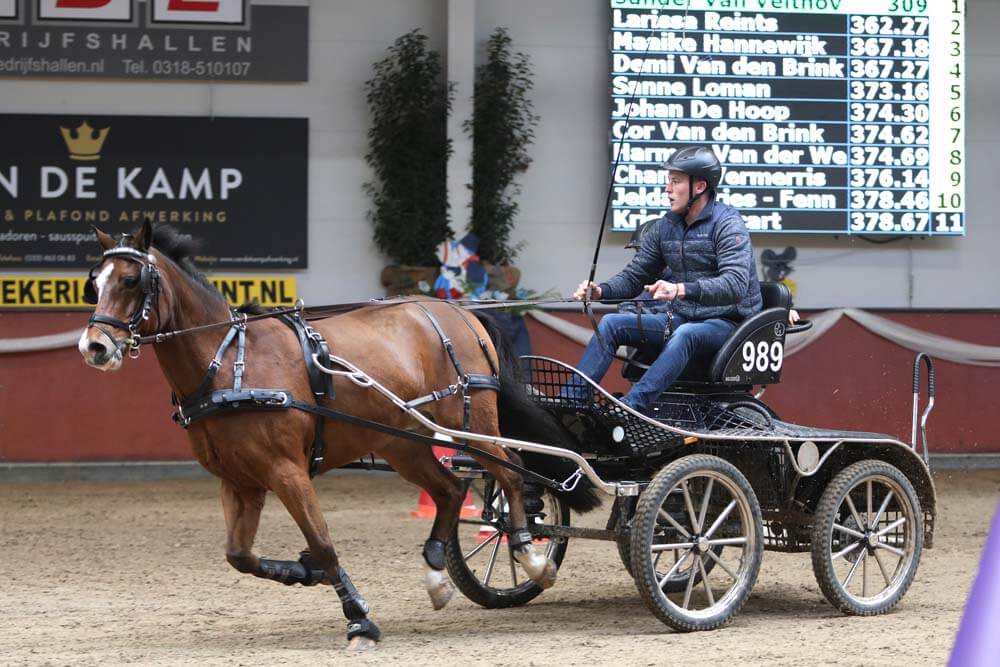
x=793, y=316
x=662, y=290
x=581, y=291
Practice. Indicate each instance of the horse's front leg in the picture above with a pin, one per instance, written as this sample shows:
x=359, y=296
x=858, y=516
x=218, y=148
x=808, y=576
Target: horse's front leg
x=242, y=507
x=291, y=483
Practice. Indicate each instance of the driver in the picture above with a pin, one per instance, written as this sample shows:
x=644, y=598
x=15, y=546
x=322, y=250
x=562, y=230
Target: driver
x=712, y=283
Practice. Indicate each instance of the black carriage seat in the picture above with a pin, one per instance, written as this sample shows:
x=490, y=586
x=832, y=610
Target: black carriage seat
x=769, y=324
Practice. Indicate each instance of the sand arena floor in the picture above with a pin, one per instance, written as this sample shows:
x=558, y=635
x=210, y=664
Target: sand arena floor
x=99, y=573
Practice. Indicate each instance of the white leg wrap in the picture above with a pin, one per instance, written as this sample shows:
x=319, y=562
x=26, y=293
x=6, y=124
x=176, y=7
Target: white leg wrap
x=439, y=588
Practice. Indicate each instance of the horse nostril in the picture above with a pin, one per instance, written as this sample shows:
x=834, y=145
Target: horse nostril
x=99, y=350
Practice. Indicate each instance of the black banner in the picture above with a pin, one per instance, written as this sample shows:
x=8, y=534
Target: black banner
x=236, y=184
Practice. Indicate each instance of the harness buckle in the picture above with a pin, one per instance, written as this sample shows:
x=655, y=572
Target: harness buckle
x=133, y=345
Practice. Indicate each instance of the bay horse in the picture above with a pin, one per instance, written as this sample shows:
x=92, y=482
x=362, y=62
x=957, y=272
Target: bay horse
x=146, y=283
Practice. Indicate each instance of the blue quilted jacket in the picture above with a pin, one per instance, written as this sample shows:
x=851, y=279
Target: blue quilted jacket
x=713, y=258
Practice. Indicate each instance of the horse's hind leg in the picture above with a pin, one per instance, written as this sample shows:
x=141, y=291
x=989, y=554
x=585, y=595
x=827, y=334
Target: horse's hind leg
x=418, y=465
x=292, y=485
x=539, y=569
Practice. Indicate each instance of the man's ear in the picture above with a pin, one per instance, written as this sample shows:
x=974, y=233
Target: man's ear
x=104, y=239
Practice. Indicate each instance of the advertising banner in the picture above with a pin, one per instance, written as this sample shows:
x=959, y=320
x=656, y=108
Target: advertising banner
x=222, y=40
x=236, y=185
x=66, y=292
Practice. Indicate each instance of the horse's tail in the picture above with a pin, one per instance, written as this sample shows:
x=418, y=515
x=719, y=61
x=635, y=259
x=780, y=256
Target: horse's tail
x=522, y=419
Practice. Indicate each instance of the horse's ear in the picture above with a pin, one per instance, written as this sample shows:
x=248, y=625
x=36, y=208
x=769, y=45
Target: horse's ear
x=104, y=239
x=144, y=238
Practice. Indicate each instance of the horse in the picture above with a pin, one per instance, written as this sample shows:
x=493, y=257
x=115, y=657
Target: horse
x=146, y=283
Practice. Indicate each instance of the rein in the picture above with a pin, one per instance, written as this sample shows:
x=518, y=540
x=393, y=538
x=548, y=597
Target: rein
x=313, y=313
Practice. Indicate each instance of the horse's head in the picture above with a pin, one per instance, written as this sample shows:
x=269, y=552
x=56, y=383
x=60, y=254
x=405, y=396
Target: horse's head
x=125, y=288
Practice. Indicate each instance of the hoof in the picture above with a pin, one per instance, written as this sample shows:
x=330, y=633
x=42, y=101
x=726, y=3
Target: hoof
x=540, y=569
x=548, y=577
x=360, y=644
x=439, y=588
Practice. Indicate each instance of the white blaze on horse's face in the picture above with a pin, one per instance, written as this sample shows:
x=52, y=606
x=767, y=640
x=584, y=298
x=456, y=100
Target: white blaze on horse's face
x=94, y=345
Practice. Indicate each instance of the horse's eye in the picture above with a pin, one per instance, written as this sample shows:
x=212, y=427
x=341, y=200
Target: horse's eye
x=130, y=281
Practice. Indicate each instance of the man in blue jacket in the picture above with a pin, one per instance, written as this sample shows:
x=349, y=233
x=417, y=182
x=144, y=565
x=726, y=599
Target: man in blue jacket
x=713, y=281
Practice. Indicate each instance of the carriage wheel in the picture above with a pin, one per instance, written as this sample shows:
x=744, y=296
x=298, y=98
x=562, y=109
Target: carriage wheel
x=867, y=538
x=698, y=508
x=678, y=581
x=478, y=554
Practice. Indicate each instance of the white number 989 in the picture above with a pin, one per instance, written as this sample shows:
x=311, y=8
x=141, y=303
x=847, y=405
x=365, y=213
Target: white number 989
x=762, y=356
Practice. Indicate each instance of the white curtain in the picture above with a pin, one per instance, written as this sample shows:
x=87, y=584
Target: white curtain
x=939, y=347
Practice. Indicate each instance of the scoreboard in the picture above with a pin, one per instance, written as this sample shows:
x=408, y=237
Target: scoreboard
x=829, y=116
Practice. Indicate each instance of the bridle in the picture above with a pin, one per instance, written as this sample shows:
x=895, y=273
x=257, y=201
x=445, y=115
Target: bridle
x=149, y=282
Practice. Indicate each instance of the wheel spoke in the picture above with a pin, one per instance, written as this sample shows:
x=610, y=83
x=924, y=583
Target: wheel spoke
x=854, y=511
x=493, y=561
x=849, y=531
x=892, y=550
x=482, y=545
x=722, y=517
x=854, y=568
x=864, y=568
x=728, y=541
x=704, y=504
x=673, y=569
x=720, y=563
x=690, y=586
x=704, y=580
x=656, y=548
x=895, y=524
x=878, y=515
x=868, y=515
x=843, y=552
x=692, y=517
x=673, y=522
x=881, y=566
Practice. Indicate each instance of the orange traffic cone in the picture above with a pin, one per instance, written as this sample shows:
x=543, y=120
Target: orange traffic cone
x=426, y=509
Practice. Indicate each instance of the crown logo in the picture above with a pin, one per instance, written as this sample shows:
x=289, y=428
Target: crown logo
x=86, y=145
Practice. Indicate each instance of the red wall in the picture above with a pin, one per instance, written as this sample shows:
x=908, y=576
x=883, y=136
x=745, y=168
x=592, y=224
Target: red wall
x=55, y=408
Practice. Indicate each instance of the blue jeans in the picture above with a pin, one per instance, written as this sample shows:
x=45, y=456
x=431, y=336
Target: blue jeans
x=694, y=340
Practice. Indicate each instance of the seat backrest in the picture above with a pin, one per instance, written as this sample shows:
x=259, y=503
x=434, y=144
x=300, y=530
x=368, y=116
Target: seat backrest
x=775, y=295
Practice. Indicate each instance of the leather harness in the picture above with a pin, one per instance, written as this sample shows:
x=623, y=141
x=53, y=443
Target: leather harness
x=204, y=401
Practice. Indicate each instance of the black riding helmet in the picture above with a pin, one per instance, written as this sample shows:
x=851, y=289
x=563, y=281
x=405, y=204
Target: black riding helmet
x=698, y=162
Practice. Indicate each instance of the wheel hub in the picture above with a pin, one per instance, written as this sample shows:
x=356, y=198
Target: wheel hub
x=872, y=539
x=701, y=544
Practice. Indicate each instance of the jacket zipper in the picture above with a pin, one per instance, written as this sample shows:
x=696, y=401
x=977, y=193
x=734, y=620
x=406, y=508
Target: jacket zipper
x=694, y=308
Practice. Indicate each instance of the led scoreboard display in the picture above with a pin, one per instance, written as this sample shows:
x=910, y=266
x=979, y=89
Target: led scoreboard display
x=829, y=116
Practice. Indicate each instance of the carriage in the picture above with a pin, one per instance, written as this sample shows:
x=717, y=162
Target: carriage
x=700, y=487
x=712, y=479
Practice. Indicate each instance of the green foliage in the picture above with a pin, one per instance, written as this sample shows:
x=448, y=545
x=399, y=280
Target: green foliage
x=502, y=128
x=409, y=148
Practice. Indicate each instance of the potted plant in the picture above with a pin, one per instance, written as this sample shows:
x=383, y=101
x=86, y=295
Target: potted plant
x=502, y=128
x=409, y=101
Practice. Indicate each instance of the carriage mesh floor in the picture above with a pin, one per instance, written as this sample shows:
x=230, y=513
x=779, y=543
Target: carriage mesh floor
x=555, y=385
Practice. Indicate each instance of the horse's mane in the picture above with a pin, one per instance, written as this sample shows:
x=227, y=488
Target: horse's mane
x=181, y=249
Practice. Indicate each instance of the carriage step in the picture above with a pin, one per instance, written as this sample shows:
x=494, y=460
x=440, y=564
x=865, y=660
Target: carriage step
x=460, y=461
